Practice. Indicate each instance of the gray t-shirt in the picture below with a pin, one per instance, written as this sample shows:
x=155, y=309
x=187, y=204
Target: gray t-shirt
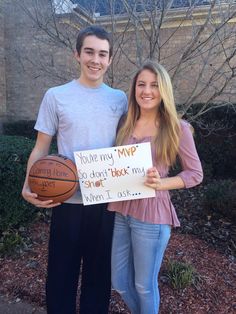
x=82, y=118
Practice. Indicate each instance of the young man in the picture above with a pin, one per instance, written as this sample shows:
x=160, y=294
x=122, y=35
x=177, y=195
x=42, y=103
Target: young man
x=84, y=114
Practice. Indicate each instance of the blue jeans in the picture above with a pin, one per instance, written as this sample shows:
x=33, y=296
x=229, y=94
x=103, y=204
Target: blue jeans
x=137, y=253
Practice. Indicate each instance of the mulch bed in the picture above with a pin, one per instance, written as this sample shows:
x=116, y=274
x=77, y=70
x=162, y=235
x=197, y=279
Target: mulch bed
x=205, y=241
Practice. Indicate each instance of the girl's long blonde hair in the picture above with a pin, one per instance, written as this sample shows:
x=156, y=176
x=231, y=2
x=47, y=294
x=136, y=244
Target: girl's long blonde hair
x=167, y=138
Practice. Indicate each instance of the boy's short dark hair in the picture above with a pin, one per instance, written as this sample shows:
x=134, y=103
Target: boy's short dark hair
x=93, y=30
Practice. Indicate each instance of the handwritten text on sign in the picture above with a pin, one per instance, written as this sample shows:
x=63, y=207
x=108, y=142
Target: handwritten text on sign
x=114, y=174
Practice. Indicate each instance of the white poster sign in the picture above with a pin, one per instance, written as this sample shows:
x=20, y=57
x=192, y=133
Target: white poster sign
x=114, y=174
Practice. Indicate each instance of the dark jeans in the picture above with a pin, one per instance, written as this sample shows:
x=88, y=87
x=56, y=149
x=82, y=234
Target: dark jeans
x=79, y=233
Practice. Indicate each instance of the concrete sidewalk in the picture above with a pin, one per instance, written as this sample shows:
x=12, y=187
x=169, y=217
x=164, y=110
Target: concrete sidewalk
x=11, y=306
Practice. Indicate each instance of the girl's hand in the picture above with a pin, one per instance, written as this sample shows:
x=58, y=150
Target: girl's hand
x=153, y=179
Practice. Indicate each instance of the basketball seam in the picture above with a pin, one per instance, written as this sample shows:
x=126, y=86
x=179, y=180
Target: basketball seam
x=55, y=196
x=57, y=179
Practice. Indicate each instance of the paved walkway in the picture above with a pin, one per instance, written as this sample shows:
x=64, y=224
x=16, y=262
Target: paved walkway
x=18, y=307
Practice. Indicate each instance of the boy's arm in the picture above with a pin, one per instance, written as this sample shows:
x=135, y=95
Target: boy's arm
x=40, y=149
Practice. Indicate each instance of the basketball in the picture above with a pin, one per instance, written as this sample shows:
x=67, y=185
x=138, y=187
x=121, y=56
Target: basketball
x=53, y=177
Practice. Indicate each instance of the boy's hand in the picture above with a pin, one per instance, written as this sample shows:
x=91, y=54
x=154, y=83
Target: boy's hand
x=32, y=198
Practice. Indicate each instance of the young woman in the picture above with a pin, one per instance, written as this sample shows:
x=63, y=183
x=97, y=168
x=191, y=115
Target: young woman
x=142, y=227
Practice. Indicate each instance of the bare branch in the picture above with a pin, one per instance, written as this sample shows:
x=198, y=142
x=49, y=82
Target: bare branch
x=195, y=43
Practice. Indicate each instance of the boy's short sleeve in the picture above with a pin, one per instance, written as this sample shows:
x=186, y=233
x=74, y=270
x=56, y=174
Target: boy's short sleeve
x=47, y=120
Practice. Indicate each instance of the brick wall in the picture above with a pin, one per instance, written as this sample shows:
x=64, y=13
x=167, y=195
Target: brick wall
x=34, y=62
x=2, y=67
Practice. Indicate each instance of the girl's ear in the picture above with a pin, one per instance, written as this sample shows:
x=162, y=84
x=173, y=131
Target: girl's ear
x=110, y=61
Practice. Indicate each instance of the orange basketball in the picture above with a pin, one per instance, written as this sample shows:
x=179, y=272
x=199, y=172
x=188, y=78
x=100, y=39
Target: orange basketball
x=53, y=177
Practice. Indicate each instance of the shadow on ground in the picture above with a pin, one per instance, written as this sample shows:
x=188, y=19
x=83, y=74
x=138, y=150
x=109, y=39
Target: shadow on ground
x=16, y=306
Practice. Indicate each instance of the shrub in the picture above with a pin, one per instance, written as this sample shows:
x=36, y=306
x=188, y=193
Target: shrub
x=20, y=128
x=10, y=242
x=14, y=153
x=180, y=275
x=220, y=197
x=215, y=134
x=216, y=149
x=218, y=155
x=15, y=212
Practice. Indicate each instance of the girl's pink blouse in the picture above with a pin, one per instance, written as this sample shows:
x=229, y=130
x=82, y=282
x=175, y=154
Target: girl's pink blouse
x=159, y=209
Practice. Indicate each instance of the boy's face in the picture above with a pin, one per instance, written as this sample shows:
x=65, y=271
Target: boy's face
x=94, y=60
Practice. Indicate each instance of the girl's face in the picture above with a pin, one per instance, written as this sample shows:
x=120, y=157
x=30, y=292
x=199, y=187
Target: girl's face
x=147, y=92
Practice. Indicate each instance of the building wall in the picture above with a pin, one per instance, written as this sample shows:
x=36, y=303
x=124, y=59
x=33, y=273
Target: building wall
x=2, y=67
x=34, y=62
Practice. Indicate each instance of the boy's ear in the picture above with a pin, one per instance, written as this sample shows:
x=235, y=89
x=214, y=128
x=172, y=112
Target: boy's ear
x=76, y=55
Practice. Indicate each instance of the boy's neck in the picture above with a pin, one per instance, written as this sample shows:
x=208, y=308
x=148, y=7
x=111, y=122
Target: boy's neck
x=89, y=84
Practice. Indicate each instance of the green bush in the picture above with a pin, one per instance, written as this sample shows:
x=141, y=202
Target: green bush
x=10, y=242
x=215, y=135
x=15, y=212
x=14, y=153
x=218, y=155
x=220, y=197
x=20, y=128
x=180, y=275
